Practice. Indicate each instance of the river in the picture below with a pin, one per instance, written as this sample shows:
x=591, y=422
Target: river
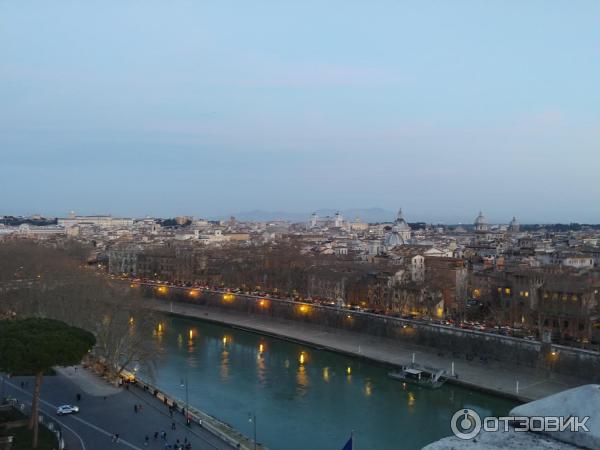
x=304, y=398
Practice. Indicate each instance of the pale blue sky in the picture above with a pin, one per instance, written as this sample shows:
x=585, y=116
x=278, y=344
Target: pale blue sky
x=212, y=107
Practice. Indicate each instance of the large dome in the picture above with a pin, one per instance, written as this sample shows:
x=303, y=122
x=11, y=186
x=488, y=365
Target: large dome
x=480, y=219
x=392, y=240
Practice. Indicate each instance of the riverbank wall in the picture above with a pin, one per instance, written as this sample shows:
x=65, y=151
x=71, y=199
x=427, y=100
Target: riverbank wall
x=455, y=343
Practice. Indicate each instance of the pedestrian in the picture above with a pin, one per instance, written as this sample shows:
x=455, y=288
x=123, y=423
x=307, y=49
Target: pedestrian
x=117, y=438
x=146, y=439
x=163, y=434
x=104, y=397
x=173, y=426
x=114, y=437
x=22, y=385
x=78, y=396
x=155, y=435
x=135, y=408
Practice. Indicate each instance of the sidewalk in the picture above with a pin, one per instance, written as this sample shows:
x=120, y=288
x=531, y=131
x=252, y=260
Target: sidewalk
x=88, y=382
x=495, y=377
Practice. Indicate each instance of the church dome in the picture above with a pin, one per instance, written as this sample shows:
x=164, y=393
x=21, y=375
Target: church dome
x=393, y=239
x=480, y=219
x=400, y=224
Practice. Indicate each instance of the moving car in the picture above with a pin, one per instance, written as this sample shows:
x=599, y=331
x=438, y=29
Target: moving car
x=67, y=409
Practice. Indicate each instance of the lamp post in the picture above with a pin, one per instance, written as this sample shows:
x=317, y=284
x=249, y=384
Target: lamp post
x=187, y=403
x=252, y=418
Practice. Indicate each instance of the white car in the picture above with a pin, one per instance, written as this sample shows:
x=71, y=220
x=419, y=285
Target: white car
x=67, y=409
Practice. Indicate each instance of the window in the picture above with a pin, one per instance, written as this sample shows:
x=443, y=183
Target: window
x=507, y=291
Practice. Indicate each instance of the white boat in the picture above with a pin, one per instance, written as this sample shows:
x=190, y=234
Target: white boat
x=420, y=376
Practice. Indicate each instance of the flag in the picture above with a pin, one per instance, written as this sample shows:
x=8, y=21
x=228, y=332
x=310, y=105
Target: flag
x=348, y=445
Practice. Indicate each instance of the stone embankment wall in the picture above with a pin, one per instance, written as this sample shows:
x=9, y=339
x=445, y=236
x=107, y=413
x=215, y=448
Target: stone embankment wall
x=450, y=341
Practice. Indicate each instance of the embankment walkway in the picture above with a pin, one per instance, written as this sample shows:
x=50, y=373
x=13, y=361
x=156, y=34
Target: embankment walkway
x=519, y=382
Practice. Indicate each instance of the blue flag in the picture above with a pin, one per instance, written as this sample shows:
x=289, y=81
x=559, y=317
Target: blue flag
x=348, y=445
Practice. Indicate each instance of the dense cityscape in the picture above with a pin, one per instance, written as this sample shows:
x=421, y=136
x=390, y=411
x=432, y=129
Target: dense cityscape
x=537, y=282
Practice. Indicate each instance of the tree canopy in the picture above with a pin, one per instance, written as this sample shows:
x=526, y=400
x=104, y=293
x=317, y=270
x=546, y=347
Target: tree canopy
x=34, y=345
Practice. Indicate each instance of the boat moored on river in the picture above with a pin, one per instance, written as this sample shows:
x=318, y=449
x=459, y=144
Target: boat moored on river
x=421, y=376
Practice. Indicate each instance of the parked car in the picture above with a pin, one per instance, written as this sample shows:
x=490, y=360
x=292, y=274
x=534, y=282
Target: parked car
x=67, y=409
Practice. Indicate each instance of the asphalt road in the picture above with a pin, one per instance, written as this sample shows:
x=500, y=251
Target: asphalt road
x=100, y=417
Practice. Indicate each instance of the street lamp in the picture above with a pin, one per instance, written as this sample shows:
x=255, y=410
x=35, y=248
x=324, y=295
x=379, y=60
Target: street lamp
x=252, y=419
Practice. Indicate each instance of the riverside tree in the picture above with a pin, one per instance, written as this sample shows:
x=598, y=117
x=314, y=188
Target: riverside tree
x=33, y=346
x=54, y=281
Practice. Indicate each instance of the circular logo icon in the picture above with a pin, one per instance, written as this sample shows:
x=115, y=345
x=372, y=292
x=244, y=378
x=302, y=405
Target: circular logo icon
x=465, y=424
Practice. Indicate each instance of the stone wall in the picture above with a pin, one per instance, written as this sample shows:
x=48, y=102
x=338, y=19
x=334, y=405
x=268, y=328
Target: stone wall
x=459, y=343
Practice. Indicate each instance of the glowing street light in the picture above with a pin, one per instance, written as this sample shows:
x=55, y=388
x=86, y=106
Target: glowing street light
x=302, y=358
x=304, y=309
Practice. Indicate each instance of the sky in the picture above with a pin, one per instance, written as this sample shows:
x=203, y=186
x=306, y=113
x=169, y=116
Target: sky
x=212, y=107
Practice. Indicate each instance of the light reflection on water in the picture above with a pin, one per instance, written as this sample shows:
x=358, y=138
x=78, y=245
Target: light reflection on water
x=303, y=397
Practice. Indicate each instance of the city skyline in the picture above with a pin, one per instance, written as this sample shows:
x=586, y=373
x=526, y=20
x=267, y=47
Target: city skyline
x=445, y=109
x=366, y=215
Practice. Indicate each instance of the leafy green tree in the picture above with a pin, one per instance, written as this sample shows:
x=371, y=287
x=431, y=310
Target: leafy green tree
x=34, y=346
